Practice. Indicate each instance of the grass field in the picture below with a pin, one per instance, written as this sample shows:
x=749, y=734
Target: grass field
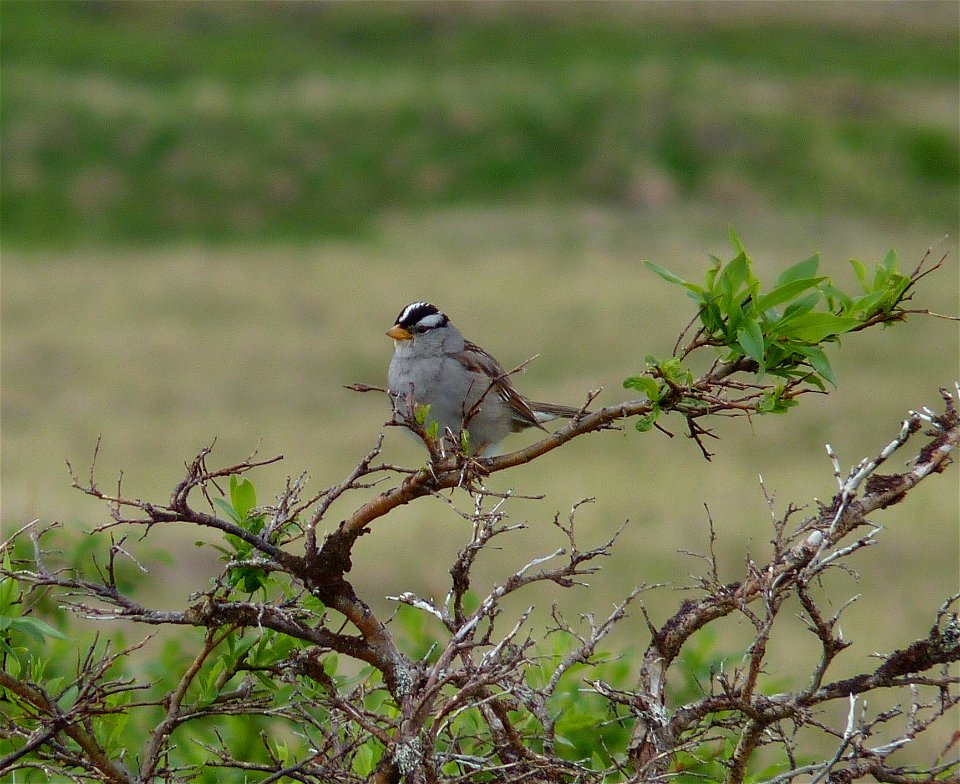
x=207, y=229
x=148, y=123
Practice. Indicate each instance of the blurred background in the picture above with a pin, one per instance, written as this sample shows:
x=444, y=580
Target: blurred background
x=211, y=212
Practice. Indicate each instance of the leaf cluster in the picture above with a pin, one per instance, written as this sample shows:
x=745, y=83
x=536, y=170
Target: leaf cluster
x=241, y=509
x=783, y=330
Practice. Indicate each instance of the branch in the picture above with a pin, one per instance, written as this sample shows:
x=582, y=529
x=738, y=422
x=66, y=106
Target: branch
x=791, y=571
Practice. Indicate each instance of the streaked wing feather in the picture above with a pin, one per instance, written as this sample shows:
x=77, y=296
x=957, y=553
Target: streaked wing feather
x=478, y=361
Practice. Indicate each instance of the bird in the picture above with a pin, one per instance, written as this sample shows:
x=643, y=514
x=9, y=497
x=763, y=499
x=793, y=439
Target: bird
x=464, y=386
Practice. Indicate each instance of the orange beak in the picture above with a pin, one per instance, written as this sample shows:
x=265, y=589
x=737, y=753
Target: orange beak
x=399, y=333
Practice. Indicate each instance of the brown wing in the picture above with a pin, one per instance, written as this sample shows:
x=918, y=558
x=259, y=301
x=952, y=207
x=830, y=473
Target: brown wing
x=478, y=361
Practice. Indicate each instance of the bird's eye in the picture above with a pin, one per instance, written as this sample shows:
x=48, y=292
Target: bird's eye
x=419, y=329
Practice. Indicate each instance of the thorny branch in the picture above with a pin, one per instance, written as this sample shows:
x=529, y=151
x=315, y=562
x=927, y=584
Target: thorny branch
x=800, y=558
x=482, y=668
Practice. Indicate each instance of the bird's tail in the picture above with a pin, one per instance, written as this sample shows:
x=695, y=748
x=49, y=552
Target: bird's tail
x=547, y=411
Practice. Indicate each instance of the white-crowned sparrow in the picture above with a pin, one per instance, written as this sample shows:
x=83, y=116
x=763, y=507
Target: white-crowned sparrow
x=464, y=386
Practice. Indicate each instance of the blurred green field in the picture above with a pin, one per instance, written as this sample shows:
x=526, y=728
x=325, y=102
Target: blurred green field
x=211, y=214
x=129, y=122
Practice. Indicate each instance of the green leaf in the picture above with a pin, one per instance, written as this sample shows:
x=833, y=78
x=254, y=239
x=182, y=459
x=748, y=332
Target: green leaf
x=117, y=722
x=818, y=361
x=786, y=292
x=768, y=402
x=710, y=277
x=677, y=373
x=674, y=370
x=860, y=271
x=37, y=628
x=868, y=303
x=750, y=339
x=8, y=587
x=256, y=523
x=644, y=384
x=734, y=276
x=886, y=271
x=8, y=590
x=645, y=421
x=666, y=274
x=220, y=549
x=12, y=661
x=420, y=412
x=734, y=312
x=363, y=761
x=240, y=647
x=243, y=495
x=836, y=300
x=695, y=291
x=248, y=578
x=67, y=698
x=814, y=327
x=228, y=510
x=890, y=263
x=711, y=319
x=803, y=270
x=897, y=285
x=330, y=664
x=800, y=306
x=563, y=740
x=735, y=240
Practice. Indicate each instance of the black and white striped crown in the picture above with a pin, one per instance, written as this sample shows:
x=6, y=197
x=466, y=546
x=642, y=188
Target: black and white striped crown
x=421, y=314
